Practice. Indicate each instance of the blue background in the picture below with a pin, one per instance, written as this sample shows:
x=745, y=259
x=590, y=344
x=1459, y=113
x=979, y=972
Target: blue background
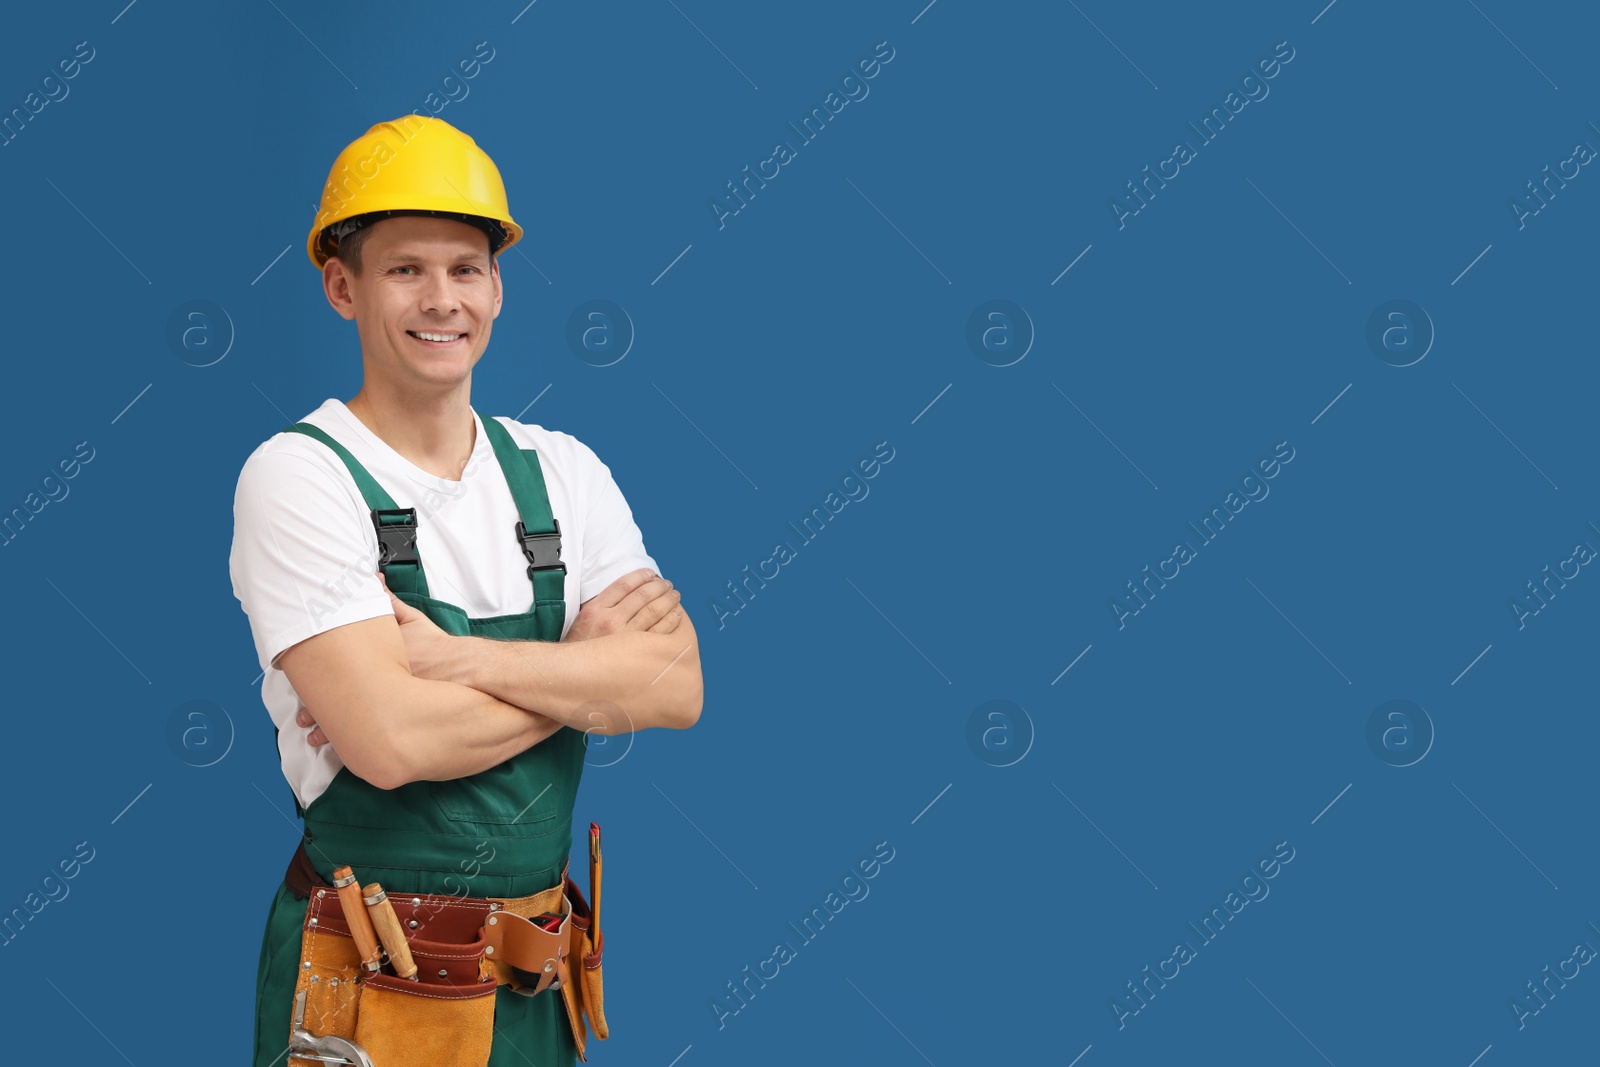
x=831, y=313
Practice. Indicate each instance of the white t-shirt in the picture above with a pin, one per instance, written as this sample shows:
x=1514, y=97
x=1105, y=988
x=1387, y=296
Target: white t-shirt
x=304, y=556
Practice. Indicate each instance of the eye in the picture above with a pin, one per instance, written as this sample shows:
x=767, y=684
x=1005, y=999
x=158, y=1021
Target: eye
x=397, y=270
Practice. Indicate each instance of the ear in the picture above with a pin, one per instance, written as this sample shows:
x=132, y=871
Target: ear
x=499, y=291
x=336, y=286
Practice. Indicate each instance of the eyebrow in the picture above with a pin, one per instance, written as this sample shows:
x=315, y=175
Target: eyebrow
x=412, y=253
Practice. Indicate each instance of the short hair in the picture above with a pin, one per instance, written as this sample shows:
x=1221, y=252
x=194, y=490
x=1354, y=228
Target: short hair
x=348, y=247
x=348, y=251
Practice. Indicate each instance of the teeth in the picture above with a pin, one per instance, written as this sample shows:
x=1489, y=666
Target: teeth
x=438, y=336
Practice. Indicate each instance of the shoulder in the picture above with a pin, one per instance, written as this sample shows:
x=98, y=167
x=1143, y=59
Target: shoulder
x=557, y=446
x=291, y=461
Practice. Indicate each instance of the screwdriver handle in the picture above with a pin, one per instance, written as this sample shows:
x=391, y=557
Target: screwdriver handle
x=389, y=931
x=355, y=914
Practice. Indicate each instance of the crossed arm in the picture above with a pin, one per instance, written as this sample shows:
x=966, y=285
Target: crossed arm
x=403, y=701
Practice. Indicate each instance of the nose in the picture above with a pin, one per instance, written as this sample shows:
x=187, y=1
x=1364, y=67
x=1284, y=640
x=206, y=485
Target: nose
x=439, y=294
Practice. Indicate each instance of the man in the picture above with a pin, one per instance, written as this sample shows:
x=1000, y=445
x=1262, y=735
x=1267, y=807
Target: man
x=432, y=723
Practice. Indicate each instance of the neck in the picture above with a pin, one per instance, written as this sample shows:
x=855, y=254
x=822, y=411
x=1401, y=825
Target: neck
x=437, y=433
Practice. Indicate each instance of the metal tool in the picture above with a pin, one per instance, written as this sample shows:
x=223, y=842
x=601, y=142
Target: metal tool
x=355, y=914
x=307, y=1046
x=389, y=931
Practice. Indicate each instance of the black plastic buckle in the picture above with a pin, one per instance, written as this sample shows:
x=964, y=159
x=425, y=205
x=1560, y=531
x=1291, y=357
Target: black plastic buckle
x=542, y=549
x=397, y=541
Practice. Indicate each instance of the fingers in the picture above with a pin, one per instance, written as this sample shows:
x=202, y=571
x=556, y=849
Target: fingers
x=617, y=591
x=316, y=738
x=669, y=622
x=643, y=600
x=403, y=612
x=661, y=615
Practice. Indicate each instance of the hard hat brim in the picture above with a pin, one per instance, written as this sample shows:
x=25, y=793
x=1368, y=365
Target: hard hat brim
x=326, y=241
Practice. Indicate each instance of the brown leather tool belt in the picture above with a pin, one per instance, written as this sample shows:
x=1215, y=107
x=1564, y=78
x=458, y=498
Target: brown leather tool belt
x=463, y=948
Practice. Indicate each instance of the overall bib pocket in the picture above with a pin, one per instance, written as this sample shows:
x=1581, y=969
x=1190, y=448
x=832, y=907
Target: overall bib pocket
x=495, y=797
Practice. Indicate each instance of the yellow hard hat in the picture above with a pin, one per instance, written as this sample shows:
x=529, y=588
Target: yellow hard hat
x=414, y=165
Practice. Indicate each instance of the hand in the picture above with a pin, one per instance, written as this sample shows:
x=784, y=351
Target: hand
x=316, y=738
x=639, y=600
x=429, y=650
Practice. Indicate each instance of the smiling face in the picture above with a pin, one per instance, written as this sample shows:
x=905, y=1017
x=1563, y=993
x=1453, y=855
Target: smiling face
x=424, y=302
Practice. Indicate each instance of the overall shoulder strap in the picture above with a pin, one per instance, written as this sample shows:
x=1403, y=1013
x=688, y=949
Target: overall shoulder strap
x=396, y=527
x=538, y=531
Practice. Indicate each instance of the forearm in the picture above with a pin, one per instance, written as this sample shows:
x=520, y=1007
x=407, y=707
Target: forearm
x=429, y=730
x=654, y=679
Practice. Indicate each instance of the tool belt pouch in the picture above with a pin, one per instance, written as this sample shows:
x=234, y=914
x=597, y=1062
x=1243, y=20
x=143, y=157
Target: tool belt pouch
x=326, y=972
x=412, y=1024
x=443, y=1019
x=584, y=961
x=532, y=960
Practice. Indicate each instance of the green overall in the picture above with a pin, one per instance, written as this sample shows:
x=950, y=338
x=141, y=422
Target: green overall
x=504, y=832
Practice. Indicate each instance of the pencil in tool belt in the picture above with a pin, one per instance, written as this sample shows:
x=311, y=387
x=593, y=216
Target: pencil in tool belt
x=389, y=931
x=594, y=877
x=355, y=914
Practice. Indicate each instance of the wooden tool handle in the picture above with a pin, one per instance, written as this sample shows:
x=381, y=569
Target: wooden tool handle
x=355, y=914
x=388, y=925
